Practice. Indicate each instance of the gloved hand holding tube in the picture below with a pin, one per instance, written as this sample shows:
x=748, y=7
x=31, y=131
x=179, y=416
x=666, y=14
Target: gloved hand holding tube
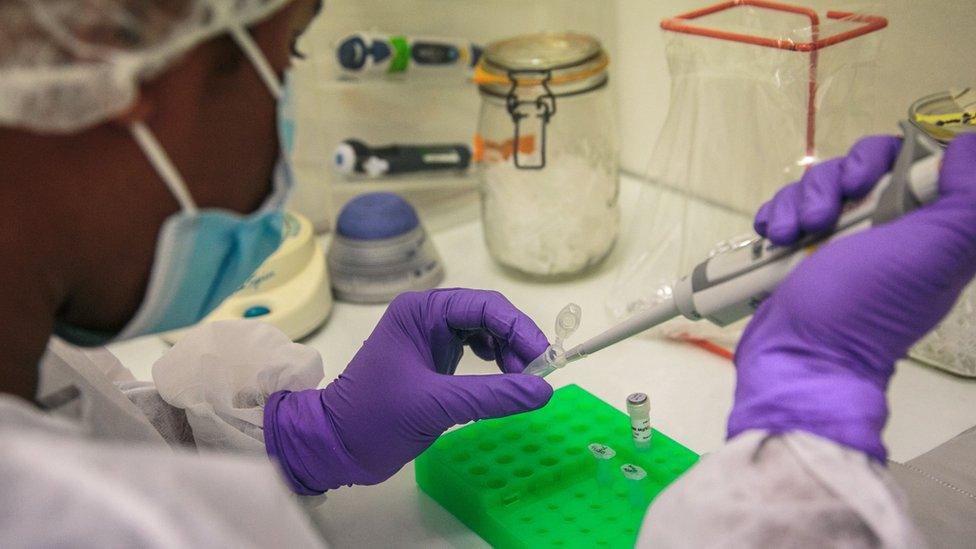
x=398, y=394
x=819, y=352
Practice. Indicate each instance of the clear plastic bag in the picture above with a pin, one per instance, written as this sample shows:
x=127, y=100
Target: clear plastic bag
x=741, y=125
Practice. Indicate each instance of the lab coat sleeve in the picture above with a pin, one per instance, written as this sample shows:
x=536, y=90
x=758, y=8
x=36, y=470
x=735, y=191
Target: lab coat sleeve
x=221, y=375
x=794, y=489
x=63, y=488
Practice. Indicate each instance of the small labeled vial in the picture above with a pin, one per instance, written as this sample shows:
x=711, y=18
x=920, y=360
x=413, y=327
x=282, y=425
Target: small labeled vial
x=635, y=476
x=639, y=409
x=603, y=454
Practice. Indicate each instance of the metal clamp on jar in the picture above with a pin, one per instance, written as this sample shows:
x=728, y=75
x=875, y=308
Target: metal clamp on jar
x=546, y=150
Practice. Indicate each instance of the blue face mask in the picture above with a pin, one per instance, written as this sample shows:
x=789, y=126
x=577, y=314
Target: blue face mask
x=202, y=256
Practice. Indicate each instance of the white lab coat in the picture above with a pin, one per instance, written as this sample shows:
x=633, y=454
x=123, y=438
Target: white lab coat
x=791, y=490
x=115, y=463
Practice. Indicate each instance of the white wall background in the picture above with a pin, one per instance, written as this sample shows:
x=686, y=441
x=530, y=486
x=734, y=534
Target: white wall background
x=929, y=45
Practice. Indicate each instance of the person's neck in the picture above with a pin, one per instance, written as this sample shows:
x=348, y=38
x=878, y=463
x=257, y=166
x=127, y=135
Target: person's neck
x=33, y=281
x=28, y=303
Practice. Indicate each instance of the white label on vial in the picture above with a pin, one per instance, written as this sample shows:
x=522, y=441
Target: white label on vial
x=641, y=430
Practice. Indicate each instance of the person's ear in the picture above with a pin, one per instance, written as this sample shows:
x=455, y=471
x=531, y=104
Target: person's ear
x=139, y=111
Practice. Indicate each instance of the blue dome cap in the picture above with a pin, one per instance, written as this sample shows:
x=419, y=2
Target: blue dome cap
x=375, y=216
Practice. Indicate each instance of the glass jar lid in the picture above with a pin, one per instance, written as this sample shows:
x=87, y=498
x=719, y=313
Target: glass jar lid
x=554, y=58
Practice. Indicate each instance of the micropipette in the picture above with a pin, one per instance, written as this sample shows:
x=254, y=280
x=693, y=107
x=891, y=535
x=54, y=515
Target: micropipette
x=730, y=286
x=355, y=157
x=383, y=53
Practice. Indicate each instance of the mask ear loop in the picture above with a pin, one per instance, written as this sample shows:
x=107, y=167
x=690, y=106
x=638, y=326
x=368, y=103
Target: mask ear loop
x=258, y=59
x=157, y=155
x=164, y=166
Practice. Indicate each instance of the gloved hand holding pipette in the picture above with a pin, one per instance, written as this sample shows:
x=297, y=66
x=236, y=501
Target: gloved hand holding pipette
x=814, y=364
x=818, y=354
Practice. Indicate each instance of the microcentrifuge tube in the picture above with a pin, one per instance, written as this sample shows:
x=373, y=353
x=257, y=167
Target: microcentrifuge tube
x=639, y=409
x=604, y=472
x=567, y=321
x=635, y=476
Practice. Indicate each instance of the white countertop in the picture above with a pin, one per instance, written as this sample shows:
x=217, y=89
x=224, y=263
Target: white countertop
x=690, y=389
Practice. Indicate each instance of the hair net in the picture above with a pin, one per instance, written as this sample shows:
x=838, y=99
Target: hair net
x=69, y=64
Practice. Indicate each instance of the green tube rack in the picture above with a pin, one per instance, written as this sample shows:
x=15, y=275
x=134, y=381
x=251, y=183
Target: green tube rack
x=529, y=480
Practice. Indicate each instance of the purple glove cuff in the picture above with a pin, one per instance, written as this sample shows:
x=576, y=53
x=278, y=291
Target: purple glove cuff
x=830, y=402
x=297, y=433
x=275, y=452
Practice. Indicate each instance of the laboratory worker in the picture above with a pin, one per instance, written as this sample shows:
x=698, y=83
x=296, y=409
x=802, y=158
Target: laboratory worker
x=805, y=464
x=141, y=184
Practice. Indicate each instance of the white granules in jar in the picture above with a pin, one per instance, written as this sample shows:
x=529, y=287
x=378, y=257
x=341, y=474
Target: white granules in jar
x=558, y=220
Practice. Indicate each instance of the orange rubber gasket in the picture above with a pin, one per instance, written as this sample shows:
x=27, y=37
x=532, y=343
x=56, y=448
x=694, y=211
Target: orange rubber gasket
x=483, y=76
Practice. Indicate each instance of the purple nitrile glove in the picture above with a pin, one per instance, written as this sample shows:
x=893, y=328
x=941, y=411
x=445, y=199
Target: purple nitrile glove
x=819, y=352
x=398, y=394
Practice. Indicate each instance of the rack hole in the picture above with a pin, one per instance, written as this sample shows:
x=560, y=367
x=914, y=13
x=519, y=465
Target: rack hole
x=523, y=472
x=548, y=461
x=542, y=531
x=530, y=448
x=555, y=439
x=526, y=518
x=552, y=506
x=487, y=446
x=502, y=460
x=585, y=530
x=579, y=495
x=478, y=470
x=497, y=483
x=462, y=457
x=513, y=435
x=596, y=506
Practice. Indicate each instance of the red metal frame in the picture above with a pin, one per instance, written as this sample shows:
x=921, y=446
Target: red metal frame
x=871, y=23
